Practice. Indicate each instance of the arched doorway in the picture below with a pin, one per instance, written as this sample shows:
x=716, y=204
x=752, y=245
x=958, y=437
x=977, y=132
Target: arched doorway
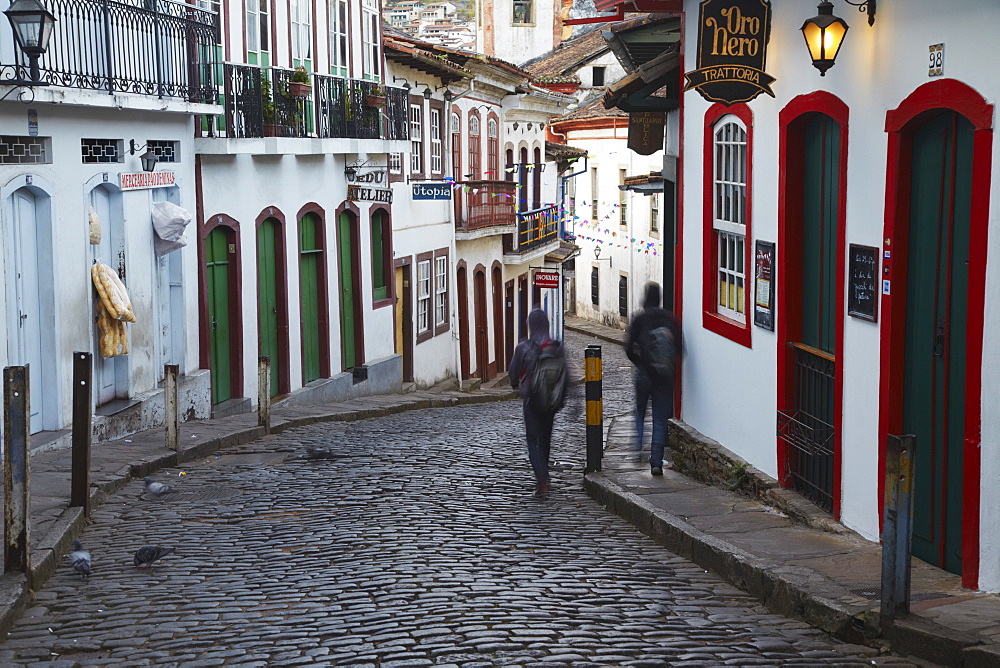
x=110, y=373
x=351, y=327
x=315, y=324
x=31, y=317
x=482, y=333
x=222, y=295
x=462, y=290
x=272, y=302
x=940, y=140
x=810, y=332
x=498, y=319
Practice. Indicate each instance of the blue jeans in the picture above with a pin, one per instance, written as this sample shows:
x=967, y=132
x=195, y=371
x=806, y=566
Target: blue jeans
x=661, y=395
x=538, y=427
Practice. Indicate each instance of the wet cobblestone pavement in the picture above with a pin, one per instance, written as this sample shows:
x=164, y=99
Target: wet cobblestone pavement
x=421, y=544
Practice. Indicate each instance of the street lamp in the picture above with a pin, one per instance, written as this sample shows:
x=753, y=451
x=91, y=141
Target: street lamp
x=824, y=35
x=148, y=159
x=32, y=26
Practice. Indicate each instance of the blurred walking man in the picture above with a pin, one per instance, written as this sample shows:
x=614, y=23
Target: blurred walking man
x=653, y=343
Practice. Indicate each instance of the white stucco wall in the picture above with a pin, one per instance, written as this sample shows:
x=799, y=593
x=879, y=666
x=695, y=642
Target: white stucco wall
x=608, y=153
x=66, y=254
x=876, y=69
x=512, y=42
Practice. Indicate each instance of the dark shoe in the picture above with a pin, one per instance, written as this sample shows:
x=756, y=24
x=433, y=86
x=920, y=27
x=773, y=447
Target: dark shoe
x=656, y=470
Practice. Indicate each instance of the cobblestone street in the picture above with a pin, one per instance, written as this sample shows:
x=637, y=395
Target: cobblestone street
x=420, y=545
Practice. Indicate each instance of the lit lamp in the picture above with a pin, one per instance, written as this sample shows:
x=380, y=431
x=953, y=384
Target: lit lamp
x=32, y=26
x=824, y=34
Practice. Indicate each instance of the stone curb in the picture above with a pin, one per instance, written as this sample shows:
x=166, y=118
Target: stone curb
x=16, y=588
x=775, y=587
x=789, y=591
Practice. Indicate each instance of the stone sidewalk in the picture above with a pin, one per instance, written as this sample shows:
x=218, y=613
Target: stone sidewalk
x=785, y=551
x=53, y=525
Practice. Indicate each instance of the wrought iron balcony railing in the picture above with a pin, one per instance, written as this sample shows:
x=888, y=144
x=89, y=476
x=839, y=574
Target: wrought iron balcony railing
x=151, y=47
x=263, y=102
x=534, y=228
x=485, y=204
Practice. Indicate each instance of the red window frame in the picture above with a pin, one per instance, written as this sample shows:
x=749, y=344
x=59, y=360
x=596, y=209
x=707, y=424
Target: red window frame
x=475, y=146
x=712, y=320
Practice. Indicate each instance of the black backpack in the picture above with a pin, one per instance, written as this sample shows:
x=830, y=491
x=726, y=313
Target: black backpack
x=659, y=352
x=547, y=392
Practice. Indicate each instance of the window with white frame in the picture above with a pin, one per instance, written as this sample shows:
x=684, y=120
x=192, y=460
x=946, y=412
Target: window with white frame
x=522, y=12
x=622, y=200
x=416, y=139
x=441, y=290
x=338, y=37
x=300, y=11
x=730, y=215
x=493, y=149
x=370, y=36
x=257, y=26
x=423, y=295
x=436, y=146
x=654, y=213
x=395, y=163
x=456, y=124
x=474, y=148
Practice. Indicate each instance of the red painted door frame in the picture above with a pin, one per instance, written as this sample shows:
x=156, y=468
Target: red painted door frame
x=281, y=279
x=497, y=285
x=461, y=280
x=481, y=324
x=235, y=303
x=899, y=124
x=790, y=151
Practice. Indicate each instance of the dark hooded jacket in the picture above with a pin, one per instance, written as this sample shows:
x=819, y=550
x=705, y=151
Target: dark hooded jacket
x=522, y=364
x=647, y=319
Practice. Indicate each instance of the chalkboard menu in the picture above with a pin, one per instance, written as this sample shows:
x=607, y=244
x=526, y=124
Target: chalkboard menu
x=862, y=282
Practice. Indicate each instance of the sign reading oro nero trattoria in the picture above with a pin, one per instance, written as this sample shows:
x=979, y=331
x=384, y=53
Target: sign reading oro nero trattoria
x=732, y=51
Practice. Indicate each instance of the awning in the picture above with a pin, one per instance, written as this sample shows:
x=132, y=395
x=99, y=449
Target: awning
x=564, y=252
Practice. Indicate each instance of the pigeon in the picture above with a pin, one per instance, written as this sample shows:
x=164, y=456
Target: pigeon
x=313, y=452
x=154, y=487
x=81, y=560
x=145, y=556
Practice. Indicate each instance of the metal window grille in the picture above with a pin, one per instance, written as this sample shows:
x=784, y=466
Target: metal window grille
x=15, y=150
x=164, y=150
x=595, y=295
x=101, y=150
x=729, y=215
x=440, y=290
x=423, y=295
x=623, y=296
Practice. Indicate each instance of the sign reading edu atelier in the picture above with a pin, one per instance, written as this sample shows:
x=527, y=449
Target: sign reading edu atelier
x=364, y=194
x=732, y=51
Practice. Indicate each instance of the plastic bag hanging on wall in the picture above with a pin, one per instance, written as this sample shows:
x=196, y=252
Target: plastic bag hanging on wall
x=169, y=223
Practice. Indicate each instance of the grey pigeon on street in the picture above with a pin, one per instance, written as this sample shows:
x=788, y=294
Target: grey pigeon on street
x=145, y=556
x=154, y=487
x=81, y=559
x=314, y=452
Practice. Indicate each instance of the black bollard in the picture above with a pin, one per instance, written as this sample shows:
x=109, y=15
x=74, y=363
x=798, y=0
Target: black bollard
x=79, y=486
x=593, y=374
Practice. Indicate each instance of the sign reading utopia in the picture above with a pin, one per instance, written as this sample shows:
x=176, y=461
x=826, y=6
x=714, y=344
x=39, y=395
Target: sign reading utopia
x=732, y=51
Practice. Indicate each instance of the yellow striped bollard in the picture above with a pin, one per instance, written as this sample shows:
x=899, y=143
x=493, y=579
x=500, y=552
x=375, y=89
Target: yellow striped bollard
x=593, y=373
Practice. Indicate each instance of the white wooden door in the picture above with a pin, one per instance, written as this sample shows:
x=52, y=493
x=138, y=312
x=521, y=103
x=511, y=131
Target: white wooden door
x=169, y=297
x=24, y=342
x=109, y=372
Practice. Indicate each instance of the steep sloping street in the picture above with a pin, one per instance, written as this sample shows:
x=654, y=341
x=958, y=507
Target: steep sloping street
x=419, y=544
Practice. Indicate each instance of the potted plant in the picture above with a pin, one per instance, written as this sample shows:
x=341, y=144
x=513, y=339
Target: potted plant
x=299, y=83
x=376, y=97
x=267, y=105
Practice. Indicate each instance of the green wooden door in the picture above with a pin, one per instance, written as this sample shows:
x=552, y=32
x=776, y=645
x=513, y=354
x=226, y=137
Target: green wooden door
x=811, y=466
x=345, y=257
x=217, y=279
x=936, y=308
x=310, y=256
x=267, y=297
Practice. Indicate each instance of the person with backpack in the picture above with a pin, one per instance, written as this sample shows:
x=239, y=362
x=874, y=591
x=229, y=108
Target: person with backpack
x=538, y=372
x=653, y=344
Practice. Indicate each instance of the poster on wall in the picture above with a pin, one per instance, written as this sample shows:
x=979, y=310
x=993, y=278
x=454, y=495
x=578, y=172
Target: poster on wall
x=763, y=280
x=863, y=281
x=732, y=51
